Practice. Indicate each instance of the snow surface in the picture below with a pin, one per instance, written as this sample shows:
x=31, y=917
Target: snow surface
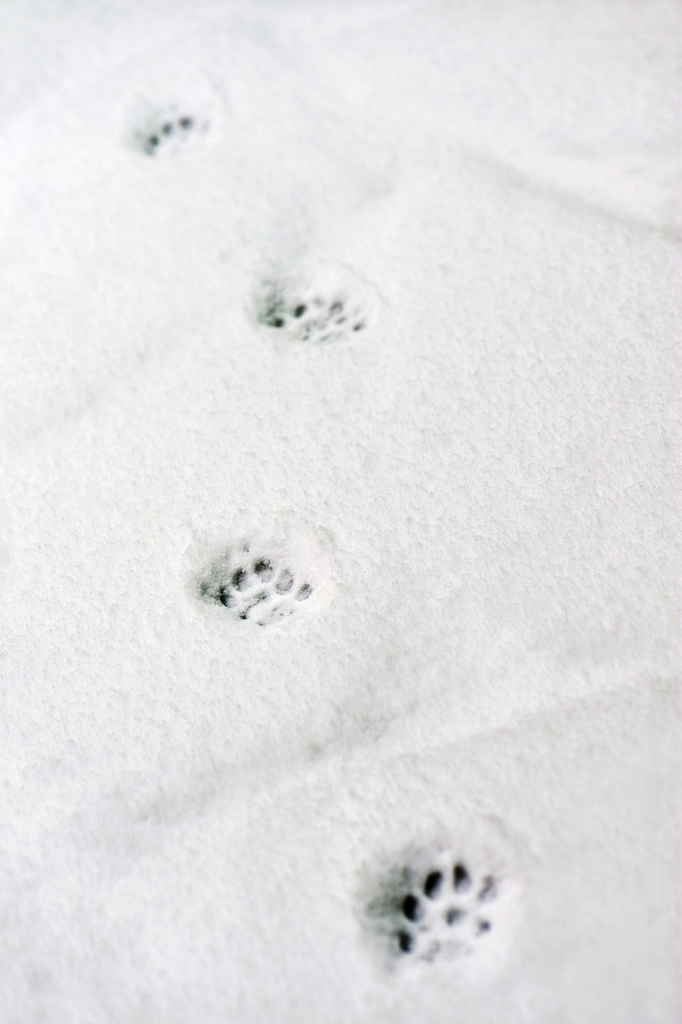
x=198, y=814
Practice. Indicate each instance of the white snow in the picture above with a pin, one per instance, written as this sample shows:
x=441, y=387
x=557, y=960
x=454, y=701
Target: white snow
x=196, y=812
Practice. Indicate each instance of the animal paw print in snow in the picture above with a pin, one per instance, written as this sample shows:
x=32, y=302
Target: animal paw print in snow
x=170, y=130
x=256, y=585
x=330, y=306
x=443, y=910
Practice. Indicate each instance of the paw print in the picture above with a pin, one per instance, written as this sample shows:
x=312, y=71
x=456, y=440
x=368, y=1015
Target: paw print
x=258, y=584
x=331, y=306
x=441, y=907
x=171, y=130
x=447, y=911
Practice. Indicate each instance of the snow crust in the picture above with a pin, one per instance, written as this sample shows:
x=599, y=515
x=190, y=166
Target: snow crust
x=197, y=813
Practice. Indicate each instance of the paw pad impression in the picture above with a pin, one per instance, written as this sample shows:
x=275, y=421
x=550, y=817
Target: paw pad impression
x=264, y=578
x=442, y=906
x=329, y=304
x=169, y=130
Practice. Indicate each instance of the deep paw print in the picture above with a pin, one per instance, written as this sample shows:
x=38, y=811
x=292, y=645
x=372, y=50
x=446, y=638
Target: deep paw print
x=446, y=912
x=263, y=582
x=331, y=306
x=170, y=130
x=442, y=907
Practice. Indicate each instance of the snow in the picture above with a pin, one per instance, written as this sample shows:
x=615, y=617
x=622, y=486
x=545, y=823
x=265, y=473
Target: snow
x=198, y=812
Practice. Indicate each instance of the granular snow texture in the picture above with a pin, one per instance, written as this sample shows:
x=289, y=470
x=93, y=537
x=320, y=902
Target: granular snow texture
x=206, y=821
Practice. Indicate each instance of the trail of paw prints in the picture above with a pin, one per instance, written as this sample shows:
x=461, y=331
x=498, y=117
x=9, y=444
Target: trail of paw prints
x=264, y=582
x=331, y=304
x=172, y=129
x=442, y=907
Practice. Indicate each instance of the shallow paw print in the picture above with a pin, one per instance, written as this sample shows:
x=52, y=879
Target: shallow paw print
x=331, y=305
x=172, y=129
x=262, y=582
x=443, y=907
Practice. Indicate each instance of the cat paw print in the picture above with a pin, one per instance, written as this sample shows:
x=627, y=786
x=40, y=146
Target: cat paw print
x=265, y=580
x=448, y=911
x=172, y=129
x=445, y=907
x=330, y=304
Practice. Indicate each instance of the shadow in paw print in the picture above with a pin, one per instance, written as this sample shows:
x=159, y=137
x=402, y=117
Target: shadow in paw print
x=170, y=130
x=254, y=587
x=429, y=912
x=330, y=306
